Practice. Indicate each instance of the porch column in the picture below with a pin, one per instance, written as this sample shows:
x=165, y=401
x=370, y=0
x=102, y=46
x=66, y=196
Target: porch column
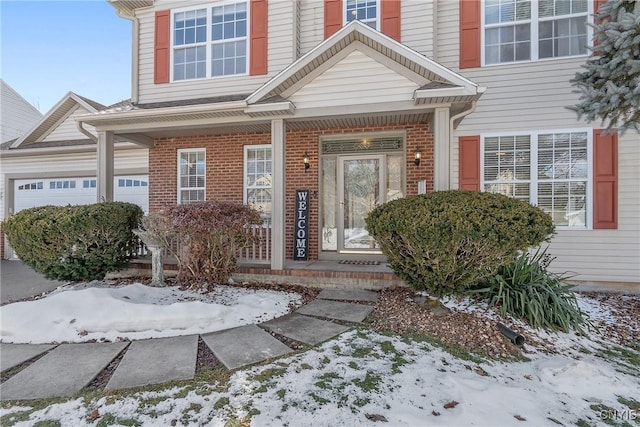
x=442, y=156
x=278, y=145
x=104, y=170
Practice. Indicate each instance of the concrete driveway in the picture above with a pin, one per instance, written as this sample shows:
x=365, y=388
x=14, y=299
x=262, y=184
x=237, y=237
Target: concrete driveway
x=17, y=281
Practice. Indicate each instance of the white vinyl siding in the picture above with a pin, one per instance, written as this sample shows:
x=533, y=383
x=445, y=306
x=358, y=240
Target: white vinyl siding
x=311, y=24
x=356, y=79
x=18, y=116
x=192, y=175
x=67, y=130
x=416, y=29
x=281, y=37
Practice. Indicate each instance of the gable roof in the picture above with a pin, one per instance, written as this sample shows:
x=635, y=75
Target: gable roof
x=56, y=114
x=356, y=31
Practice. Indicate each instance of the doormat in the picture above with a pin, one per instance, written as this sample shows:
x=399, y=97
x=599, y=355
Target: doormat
x=358, y=262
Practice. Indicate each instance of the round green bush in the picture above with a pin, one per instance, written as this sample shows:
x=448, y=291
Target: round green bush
x=75, y=242
x=448, y=241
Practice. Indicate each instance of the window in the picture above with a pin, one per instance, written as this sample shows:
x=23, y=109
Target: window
x=547, y=169
x=89, y=183
x=32, y=186
x=522, y=30
x=57, y=185
x=191, y=176
x=210, y=42
x=131, y=183
x=362, y=10
x=257, y=181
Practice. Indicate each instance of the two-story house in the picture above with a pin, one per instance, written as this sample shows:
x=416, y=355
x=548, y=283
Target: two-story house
x=316, y=111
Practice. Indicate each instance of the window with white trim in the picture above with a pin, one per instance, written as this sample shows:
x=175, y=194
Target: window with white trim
x=125, y=182
x=366, y=11
x=89, y=183
x=210, y=41
x=191, y=176
x=58, y=185
x=547, y=169
x=258, y=177
x=523, y=30
x=31, y=186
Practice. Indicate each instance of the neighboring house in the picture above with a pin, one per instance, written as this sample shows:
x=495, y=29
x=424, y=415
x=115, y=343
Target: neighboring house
x=16, y=115
x=54, y=163
x=253, y=100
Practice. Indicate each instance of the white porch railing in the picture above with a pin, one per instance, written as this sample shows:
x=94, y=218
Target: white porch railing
x=260, y=251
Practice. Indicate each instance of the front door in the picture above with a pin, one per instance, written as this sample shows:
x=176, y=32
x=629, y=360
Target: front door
x=361, y=184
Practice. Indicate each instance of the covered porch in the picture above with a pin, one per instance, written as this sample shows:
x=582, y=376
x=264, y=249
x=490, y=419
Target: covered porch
x=359, y=107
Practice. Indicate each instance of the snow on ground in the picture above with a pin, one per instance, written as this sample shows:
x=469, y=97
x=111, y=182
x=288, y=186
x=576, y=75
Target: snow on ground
x=136, y=312
x=363, y=376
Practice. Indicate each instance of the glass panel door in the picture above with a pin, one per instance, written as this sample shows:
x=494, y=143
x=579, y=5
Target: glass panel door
x=361, y=181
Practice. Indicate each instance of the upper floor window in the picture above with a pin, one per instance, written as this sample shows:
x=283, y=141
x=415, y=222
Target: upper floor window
x=547, y=169
x=522, y=30
x=191, y=175
x=210, y=42
x=365, y=11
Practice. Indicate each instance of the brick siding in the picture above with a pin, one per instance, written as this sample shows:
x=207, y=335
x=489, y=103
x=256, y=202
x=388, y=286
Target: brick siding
x=225, y=166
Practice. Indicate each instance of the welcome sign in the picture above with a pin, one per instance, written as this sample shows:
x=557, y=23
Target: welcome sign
x=301, y=238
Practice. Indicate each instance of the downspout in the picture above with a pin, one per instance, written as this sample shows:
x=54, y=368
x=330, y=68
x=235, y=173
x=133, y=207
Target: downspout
x=434, y=41
x=89, y=135
x=135, y=52
x=452, y=120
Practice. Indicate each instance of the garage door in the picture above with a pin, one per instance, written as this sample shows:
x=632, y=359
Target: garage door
x=30, y=193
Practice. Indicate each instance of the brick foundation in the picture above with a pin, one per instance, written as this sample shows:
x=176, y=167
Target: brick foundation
x=225, y=168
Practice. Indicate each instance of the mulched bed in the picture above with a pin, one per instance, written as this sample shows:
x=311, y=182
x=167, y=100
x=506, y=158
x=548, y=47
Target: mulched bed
x=206, y=358
x=396, y=311
x=626, y=309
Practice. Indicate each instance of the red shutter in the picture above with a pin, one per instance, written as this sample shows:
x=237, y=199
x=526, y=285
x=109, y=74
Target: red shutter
x=332, y=17
x=469, y=33
x=469, y=163
x=391, y=18
x=161, y=47
x=258, y=38
x=597, y=4
x=605, y=180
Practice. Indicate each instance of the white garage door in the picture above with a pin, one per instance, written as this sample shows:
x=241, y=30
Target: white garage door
x=30, y=193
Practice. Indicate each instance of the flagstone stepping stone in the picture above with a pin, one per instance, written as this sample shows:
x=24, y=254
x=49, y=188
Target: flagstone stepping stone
x=336, y=310
x=243, y=346
x=304, y=329
x=62, y=372
x=15, y=354
x=349, y=295
x=156, y=361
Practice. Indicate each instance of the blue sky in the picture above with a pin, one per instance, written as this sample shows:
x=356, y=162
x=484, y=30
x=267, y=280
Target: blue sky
x=48, y=48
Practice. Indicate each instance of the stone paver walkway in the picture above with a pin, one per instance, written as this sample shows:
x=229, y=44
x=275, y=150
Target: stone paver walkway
x=67, y=368
x=346, y=311
x=156, y=361
x=243, y=346
x=64, y=371
x=16, y=354
x=305, y=329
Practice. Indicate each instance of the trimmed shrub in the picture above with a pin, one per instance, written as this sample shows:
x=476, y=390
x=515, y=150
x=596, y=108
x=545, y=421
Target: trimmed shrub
x=205, y=238
x=525, y=289
x=75, y=242
x=449, y=241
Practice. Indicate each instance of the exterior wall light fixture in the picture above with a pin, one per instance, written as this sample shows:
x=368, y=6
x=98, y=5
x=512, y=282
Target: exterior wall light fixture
x=305, y=160
x=417, y=156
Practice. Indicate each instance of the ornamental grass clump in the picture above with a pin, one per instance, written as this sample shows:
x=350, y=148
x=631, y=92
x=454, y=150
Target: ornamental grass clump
x=447, y=242
x=527, y=290
x=205, y=238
